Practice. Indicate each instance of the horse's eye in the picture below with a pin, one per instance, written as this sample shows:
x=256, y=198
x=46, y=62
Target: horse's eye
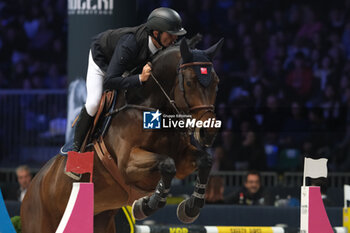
x=188, y=83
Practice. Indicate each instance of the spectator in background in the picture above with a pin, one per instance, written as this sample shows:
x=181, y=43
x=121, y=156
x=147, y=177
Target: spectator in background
x=331, y=112
x=316, y=140
x=295, y=126
x=271, y=124
x=32, y=33
x=218, y=155
x=252, y=146
x=24, y=177
x=341, y=157
x=310, y=24
x=254, y=73
x=275, y=75
x=215, y=190
x=323, y=72
x=299, y=79
x=224, y=156
x=257, y=101
x=252, y=193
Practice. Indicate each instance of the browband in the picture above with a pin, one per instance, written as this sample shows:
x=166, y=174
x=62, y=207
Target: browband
x=195, y=64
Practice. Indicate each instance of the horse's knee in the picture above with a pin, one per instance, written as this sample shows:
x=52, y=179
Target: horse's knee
x=204, y=163
x=167, y=168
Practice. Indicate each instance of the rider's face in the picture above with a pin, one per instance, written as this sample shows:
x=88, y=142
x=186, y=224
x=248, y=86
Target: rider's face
x=166, y=39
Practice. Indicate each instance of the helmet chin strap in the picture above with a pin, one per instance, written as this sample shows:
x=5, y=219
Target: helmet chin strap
x=158, y=39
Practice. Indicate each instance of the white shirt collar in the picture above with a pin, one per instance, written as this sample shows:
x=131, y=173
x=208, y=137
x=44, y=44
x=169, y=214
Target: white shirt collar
x=151, y=46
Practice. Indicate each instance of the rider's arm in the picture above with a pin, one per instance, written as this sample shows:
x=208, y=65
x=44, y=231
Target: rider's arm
x=125, y=52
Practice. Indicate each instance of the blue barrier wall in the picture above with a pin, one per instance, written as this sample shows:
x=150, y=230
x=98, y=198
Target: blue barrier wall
x=228, y=215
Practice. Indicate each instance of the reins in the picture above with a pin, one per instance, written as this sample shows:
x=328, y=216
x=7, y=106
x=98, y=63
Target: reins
x=208, y=108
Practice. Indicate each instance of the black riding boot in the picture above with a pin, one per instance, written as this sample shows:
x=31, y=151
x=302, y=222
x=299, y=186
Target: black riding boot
x=82, y=127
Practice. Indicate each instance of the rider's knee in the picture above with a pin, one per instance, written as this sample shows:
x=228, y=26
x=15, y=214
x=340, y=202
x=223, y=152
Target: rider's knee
x=92, y=107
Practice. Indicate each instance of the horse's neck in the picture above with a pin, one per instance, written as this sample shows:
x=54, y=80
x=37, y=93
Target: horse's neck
x=165, y=72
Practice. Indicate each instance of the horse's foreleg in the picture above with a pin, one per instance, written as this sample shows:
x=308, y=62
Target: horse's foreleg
x=188, y=210
x=158, y=199
x=146, y=206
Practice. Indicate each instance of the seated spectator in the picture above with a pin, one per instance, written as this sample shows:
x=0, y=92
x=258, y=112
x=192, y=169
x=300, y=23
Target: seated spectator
x=272, y=118
x=252, y=193
x=311, y=25
x=215, y=190
x=225, y=156
x=251, y=152
x=24, y=177
x=289, y=159
x=299, y=79
x=317, y=137
x=218, y=156
x=295, y=127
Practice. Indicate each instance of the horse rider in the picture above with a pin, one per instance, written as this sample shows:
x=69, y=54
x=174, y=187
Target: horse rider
x=113, y=53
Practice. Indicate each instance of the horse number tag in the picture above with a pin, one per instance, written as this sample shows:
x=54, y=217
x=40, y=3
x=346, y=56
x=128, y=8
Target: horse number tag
x=204, y=70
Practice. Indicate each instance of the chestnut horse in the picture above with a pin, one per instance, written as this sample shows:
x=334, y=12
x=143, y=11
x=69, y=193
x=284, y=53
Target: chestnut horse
x=147, y=159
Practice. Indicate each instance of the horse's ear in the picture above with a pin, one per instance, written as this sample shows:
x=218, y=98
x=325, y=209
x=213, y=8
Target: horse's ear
x=186, y=54
x=214, y=49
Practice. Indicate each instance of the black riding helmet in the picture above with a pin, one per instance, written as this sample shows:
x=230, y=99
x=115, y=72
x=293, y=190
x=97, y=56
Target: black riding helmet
x=165, y=20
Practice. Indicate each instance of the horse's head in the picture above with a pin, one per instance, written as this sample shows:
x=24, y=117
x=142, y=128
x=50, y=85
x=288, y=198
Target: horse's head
x=196, y=88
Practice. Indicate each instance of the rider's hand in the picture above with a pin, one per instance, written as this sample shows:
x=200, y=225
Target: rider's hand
x=146, y=72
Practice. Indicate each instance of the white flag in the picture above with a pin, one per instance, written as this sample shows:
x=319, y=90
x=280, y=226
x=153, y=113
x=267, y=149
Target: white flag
x=315, y=168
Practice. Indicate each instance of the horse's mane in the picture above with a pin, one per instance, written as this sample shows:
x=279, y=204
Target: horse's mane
x=192, y=42
x=165, y=52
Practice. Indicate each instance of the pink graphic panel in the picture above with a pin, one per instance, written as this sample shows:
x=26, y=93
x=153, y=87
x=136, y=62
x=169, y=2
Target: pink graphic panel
x=318, y=219
x=79, y=214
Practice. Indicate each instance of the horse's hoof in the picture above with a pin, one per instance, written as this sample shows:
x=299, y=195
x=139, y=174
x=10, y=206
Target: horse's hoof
x=137, y=211
x=181, y=213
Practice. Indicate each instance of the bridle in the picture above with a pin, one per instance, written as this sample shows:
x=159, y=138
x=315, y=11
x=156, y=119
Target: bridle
x=208, y=108
x=191, y=109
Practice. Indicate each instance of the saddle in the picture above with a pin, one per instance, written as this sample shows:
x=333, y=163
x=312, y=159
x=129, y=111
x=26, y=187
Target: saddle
x=100, y=124
x=101, y=121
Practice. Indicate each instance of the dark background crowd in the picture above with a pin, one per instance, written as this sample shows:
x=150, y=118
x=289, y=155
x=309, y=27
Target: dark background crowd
x=33, y=44
x=284, y=71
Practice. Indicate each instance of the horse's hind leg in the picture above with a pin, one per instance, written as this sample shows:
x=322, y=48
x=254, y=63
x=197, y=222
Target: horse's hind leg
x=188, y=210
x=146, y=206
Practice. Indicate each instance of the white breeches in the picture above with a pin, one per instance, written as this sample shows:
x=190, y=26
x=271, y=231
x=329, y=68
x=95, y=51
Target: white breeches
x=94, y=86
